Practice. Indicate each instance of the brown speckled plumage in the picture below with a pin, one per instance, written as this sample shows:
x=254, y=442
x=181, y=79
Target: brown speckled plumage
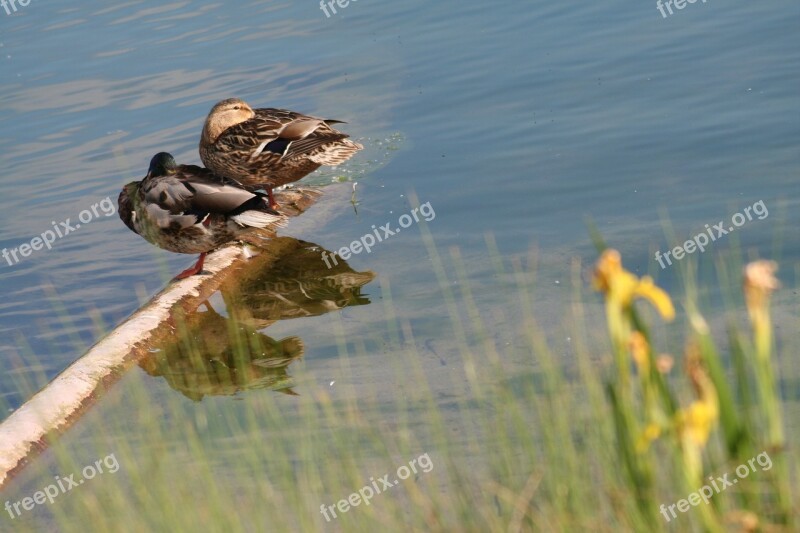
x=269, y=147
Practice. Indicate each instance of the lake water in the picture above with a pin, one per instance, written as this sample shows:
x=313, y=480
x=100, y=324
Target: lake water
x=519, y=120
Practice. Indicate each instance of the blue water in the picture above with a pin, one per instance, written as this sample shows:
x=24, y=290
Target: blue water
x=518, y=119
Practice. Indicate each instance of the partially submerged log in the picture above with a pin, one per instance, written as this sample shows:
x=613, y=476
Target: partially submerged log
x=54, y=408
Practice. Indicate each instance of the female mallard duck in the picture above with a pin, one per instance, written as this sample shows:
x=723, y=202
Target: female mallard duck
x=187, y=209
x=269, y=147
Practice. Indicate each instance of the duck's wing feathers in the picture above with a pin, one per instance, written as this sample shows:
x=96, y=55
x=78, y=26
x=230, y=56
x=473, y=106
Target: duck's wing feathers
x=277, y=134
x=164, y=218
x=192, y=193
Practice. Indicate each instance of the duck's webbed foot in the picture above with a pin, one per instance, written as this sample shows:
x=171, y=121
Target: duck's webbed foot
x=196, y=269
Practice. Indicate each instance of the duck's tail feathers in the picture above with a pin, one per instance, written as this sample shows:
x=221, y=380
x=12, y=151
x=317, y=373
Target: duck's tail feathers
x=335, y=153
x=259, y=219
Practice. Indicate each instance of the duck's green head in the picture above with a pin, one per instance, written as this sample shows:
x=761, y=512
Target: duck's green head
x=162, y=164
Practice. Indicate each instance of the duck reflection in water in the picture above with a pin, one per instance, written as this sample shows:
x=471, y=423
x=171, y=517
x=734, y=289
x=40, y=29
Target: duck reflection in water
x=212, y=354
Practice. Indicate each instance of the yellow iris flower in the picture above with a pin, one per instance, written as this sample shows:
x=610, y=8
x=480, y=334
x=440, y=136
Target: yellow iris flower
x=622, y=287
x=696, y=422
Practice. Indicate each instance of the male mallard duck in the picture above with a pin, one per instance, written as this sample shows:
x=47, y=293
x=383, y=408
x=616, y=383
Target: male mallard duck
x=269, y=147
x=188, y=210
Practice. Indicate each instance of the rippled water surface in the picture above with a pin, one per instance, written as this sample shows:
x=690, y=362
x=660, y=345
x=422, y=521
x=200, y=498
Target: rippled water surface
x=519, y=120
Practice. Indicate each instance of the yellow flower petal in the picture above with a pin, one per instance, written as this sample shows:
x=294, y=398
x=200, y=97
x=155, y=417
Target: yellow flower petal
x=657, y=296
x=609, y=265
x=696, y=421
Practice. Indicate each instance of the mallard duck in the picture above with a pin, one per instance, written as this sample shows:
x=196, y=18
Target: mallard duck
x=187, y=209
x=266, y=148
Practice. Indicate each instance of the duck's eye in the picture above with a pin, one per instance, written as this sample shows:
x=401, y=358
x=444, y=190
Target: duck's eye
x=236, y=107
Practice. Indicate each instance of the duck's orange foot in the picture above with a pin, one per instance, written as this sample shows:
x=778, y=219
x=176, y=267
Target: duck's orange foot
x=196, y=269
